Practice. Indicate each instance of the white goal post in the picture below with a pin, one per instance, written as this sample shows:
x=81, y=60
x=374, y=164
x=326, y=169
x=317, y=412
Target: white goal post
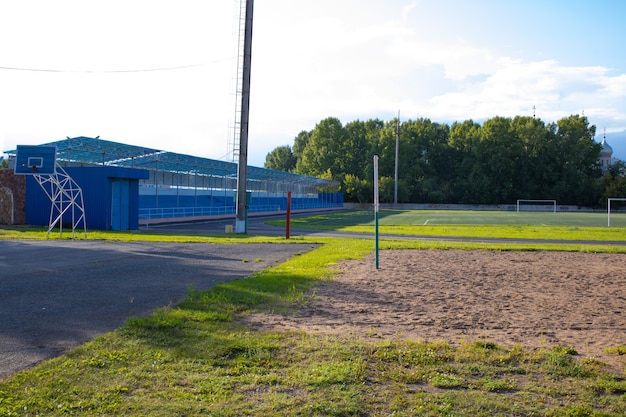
x=553, y=202
x=609, y=208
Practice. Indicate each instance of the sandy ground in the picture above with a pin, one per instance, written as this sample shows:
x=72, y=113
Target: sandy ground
x=533, y=299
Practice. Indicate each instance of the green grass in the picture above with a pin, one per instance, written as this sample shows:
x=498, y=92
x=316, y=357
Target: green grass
x=198, y=358
x=477, y=217
x=476, y=224
x=618, y=350
x=38, y=233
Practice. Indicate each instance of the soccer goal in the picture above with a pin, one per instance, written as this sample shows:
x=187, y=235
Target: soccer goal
x=609, y=208
x=537, y=205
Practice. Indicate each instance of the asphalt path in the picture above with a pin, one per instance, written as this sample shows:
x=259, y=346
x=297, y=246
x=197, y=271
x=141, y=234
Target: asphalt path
x=57, y=294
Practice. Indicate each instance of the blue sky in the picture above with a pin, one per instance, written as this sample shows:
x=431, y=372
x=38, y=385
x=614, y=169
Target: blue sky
x=109, y=67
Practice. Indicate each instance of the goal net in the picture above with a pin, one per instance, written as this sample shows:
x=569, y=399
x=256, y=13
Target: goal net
x=536, y=205
x=614, y=206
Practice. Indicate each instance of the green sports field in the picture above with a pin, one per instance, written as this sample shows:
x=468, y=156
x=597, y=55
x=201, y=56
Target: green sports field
x=477, y=224
x=469, y=217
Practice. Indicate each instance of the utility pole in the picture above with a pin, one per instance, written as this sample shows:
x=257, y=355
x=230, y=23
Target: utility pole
x=395, y=187
x=241, y=221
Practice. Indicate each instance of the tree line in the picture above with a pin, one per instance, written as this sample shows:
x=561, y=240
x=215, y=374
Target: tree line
x=500, y=161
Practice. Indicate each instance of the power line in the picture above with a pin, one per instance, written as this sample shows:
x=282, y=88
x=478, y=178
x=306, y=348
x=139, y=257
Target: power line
x=114, y=71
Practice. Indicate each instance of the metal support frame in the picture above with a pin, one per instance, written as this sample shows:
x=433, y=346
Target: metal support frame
x=536, y=201
x=64, y=195
x=609, y=208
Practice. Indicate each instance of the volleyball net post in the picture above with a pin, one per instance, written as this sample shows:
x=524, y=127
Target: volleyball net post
x=376, y=207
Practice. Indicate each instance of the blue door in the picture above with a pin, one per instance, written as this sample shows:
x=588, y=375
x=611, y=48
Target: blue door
x=120, y=205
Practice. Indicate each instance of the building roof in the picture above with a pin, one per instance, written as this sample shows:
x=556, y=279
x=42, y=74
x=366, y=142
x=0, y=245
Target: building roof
x=606, y=150
x=95, y=151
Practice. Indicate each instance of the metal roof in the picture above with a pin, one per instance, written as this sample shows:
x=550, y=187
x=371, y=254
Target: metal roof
x=96, y=151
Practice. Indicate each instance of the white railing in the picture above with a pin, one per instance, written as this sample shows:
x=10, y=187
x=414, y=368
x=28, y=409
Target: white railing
x=182, y=212
x=176, y=212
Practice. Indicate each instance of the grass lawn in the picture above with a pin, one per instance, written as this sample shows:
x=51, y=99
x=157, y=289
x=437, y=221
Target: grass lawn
x=196, y=358
x=479, y=224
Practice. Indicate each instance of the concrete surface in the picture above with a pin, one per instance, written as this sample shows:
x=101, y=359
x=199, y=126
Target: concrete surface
x=57, y=294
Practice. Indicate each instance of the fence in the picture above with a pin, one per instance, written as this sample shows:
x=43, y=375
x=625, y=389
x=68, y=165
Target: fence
x=180, y=204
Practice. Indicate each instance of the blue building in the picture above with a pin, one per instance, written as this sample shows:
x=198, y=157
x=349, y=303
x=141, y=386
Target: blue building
x=126, y=186
x=110, y=197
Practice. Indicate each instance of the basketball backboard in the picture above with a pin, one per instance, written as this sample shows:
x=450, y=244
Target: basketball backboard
x=33, y=160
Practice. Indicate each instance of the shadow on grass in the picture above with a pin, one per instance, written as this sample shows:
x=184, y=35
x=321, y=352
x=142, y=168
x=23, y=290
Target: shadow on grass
x=203, y=325
x=336, y=221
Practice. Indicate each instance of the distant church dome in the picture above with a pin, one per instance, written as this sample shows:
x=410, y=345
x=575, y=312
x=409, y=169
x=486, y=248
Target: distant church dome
x=606, y=155
x=606, y=151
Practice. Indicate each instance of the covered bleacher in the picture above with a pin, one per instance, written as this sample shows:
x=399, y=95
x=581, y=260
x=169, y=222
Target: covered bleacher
x=184, y=186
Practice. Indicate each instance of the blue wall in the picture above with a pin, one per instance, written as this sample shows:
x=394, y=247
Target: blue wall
x=180, y=206
x=96, y=185
x=103, y=213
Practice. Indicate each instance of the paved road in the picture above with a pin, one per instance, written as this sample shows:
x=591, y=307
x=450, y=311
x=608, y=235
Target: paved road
x=57, y=294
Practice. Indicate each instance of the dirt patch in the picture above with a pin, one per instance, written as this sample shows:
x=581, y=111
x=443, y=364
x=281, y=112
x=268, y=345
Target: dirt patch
x=533, y=299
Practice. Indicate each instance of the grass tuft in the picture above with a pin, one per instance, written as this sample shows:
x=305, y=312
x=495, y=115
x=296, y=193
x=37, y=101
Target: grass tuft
x=558, y=363
x=616, y=350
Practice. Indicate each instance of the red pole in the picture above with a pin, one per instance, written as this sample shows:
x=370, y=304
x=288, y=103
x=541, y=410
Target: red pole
x=288, y=213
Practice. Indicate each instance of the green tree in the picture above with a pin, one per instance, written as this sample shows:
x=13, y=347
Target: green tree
x=373, y=128
x=500, y=152
x=332, y=188
x=499, y=161
x=575, y=168
x=384, y=146
x=385, y=189
x=425, y=158
x=356, y=189
x=299, y=143
x=613, y=184
x=532, y=173
x=281, y=159
x=355, y=149
x=323, y=151
x=362, y=143
x=467, y=182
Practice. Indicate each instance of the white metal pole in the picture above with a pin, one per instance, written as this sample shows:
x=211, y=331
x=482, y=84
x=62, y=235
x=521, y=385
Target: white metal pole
x=376, y=205
x=395, y=186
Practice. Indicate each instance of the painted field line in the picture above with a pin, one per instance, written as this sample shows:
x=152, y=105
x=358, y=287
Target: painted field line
x=426, y=222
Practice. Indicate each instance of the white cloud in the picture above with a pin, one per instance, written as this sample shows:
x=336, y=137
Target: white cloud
x=311, y=60
x=514, y=86
x=613, y=87
x=354, y=71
